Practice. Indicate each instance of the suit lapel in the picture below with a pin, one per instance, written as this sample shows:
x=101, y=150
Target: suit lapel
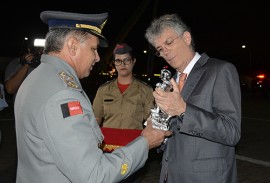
x=194, y=76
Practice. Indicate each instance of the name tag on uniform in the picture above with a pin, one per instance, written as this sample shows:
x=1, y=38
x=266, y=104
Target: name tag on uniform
x=108, y=100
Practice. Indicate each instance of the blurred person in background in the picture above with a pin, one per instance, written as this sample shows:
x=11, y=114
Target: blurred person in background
x=3, y=102
x=20, y=67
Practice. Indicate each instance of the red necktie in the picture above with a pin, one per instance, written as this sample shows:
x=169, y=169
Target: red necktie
x=182, y=79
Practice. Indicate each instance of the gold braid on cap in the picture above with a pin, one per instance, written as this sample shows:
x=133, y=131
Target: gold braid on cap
x=89, y=27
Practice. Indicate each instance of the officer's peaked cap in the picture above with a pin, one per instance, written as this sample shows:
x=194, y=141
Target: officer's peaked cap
x=92, y=23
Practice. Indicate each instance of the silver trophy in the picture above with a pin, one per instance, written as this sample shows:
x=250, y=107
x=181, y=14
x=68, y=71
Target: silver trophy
x=158, y=117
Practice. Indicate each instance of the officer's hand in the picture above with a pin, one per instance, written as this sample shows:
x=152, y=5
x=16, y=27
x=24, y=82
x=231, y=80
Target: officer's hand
x=154, y=136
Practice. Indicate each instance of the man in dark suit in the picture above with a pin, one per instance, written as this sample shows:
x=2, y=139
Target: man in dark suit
x=206, y=112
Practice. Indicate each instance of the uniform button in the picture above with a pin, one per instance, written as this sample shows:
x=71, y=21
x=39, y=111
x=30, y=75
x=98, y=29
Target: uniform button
x=166, y=159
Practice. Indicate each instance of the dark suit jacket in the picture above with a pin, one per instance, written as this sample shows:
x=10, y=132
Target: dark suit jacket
x=202, y=149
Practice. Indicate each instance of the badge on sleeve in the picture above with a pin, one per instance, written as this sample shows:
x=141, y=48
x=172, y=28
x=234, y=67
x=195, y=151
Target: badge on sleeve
x=124, y=169
x=71, y=109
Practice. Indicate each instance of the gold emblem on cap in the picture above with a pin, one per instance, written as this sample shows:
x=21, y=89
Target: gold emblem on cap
x=69, y=80
x=124, y=169
x=102, y=25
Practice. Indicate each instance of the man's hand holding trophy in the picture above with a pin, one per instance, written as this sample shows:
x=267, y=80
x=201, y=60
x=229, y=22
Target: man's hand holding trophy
x=159, y=118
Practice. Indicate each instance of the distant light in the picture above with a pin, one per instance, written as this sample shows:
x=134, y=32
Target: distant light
x=26, y=38
x=243, y=46
x=144, y=51
x=39, y=42
x=261, y=76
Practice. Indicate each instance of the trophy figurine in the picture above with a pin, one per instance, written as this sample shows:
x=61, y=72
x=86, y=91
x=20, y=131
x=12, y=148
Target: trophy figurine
x=158, y=117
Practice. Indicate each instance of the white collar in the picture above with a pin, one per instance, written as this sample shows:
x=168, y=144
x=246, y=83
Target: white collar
x=190, y=65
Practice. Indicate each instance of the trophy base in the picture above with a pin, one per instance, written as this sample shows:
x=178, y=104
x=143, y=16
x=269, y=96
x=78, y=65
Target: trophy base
x=160, y=126
x=160, y=120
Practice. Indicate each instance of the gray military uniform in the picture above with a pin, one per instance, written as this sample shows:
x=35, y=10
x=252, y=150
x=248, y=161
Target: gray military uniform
x=57, y=135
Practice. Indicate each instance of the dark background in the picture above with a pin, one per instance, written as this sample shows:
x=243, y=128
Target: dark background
x=219, y=28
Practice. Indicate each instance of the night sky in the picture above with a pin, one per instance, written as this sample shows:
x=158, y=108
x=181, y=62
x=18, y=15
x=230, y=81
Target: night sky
x=219, y=27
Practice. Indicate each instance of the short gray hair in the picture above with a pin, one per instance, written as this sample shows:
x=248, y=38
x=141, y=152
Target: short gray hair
x=172, y=21
x=56, y=38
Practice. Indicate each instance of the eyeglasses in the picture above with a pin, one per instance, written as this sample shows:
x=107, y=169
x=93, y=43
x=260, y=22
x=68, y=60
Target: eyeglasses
x=168, y=44
x=125, y=61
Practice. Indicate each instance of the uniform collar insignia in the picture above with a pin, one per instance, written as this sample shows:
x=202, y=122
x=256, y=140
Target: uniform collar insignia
x=69, y=80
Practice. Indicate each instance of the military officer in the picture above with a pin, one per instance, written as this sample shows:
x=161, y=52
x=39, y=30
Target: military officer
x=57, y=134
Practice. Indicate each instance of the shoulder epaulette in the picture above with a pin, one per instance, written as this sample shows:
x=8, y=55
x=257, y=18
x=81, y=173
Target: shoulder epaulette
x=68, y=80
x=108, y=82
x=143, y=82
